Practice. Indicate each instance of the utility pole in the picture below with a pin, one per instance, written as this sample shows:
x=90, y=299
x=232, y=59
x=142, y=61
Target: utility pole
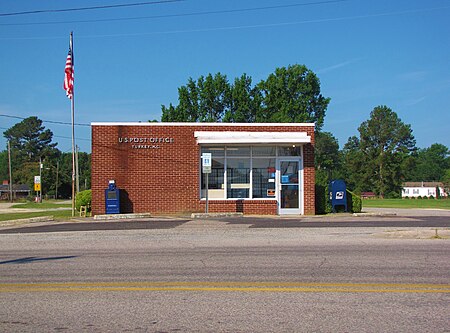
x=77, y=173
x=10, y=173
x=40, y=177
x=56, y=185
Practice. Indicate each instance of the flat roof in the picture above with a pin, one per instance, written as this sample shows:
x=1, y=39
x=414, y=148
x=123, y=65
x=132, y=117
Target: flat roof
x=251, y=137
x=199, y=124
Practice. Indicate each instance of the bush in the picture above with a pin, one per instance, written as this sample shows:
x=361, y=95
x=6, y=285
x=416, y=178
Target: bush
x=354, y=202
x=83, y=198
x=323, y=205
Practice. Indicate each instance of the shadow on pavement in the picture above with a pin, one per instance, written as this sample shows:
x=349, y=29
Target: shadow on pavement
x=261, y=222
x=33, y=259
x=97, y=226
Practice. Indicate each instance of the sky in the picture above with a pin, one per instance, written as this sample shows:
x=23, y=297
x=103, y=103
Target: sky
x=130, y=60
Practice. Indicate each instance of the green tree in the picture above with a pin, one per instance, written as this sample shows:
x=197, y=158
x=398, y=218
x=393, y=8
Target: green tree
x=30, y=142
x=446, y=180
x=206, y=100
x=244, y=101
x=385, y=142
x=354, y=169
x=30, y=139
x=327, y=158
x=4, y=170
x=292, y=95
x=430, y=163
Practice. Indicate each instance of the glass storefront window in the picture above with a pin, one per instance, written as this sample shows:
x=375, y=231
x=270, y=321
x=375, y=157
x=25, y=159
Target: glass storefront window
x=250, y=171
x=238, y=151
x=264, y=151
x=216, y=188
x=238, y=177
x=215, y=151
x=289, y=151
x=263, y=177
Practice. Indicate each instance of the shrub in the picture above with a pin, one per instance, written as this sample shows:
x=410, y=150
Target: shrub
x=83, y=198
x=354, y=202
x=323, y=205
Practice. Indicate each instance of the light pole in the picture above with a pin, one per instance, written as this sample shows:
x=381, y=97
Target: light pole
x=56, y=185
x=10, y=173
x=40, y=177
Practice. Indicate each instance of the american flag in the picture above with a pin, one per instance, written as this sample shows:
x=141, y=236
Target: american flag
x=68, y=77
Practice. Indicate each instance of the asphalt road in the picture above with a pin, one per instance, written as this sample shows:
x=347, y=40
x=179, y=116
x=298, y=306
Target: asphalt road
x=216, y=276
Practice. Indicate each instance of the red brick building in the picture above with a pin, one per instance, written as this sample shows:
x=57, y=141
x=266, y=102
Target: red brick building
x=256, y=168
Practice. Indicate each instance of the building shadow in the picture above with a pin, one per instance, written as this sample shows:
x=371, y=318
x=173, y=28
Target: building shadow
x=28, y=260
x=126, y=205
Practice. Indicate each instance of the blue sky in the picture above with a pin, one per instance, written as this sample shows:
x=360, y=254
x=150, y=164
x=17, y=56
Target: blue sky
x=366, y=53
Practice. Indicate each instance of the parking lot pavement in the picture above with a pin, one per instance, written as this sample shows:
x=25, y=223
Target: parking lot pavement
x=409, y=211
x=370, y=217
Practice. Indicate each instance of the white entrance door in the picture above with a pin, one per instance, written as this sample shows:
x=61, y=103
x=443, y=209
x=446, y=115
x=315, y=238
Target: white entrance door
x=289, y=189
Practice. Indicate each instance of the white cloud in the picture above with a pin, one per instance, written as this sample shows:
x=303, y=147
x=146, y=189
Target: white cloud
x=337, y=66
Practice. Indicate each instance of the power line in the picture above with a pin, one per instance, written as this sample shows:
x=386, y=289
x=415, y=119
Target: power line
x=256, y=26
x=225, y=11
x=58, y=136
x=70, y=138
x=90, y=8
x=46, y=121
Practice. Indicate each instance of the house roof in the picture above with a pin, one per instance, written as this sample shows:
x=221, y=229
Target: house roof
x=16, y=188
x=422, y=184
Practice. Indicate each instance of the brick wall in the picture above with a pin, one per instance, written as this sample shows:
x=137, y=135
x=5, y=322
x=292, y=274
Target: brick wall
x=166, y=179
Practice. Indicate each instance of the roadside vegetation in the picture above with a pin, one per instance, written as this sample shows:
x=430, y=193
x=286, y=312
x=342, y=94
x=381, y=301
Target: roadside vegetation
x=50, y=204
x=56, y=214
x=59, y=210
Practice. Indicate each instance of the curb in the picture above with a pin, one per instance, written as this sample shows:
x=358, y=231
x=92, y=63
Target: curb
x=208, y=215
x=121, y=216
x=374, y=214
x=28, y=220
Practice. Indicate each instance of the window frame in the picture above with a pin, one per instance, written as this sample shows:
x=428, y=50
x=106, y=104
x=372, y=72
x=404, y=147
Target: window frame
x=276, y=157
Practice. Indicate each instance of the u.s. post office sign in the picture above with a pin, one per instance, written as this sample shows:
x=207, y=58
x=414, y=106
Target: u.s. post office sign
x=146, y=143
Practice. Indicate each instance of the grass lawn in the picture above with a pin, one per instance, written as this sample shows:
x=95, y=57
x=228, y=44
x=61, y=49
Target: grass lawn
x=407, y=203
x=57, y=215
x=47, y=204
x=50, y=208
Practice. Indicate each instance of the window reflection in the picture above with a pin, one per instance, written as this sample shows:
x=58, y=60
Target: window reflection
x=216, y=189
x=263, y=178
x=238, y=177
x=289, y=151
x=250, y=171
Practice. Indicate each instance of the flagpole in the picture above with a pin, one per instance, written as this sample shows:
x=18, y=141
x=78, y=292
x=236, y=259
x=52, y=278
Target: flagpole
x=73, y=131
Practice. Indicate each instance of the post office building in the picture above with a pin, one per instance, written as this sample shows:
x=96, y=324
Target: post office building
x=175, y=168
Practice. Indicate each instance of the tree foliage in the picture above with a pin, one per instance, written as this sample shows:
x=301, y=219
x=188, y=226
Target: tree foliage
x=430, y=164
x=290, y=94
x=30, y=139
x=375, y=159
x=327, y=158
x=31, y=143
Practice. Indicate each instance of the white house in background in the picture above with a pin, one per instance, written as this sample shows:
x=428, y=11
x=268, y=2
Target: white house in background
x=422, y=189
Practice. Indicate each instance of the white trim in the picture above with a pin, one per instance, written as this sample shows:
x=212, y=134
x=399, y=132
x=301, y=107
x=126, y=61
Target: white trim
x=251, y=137
x=201, y=124
x=301, y=186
